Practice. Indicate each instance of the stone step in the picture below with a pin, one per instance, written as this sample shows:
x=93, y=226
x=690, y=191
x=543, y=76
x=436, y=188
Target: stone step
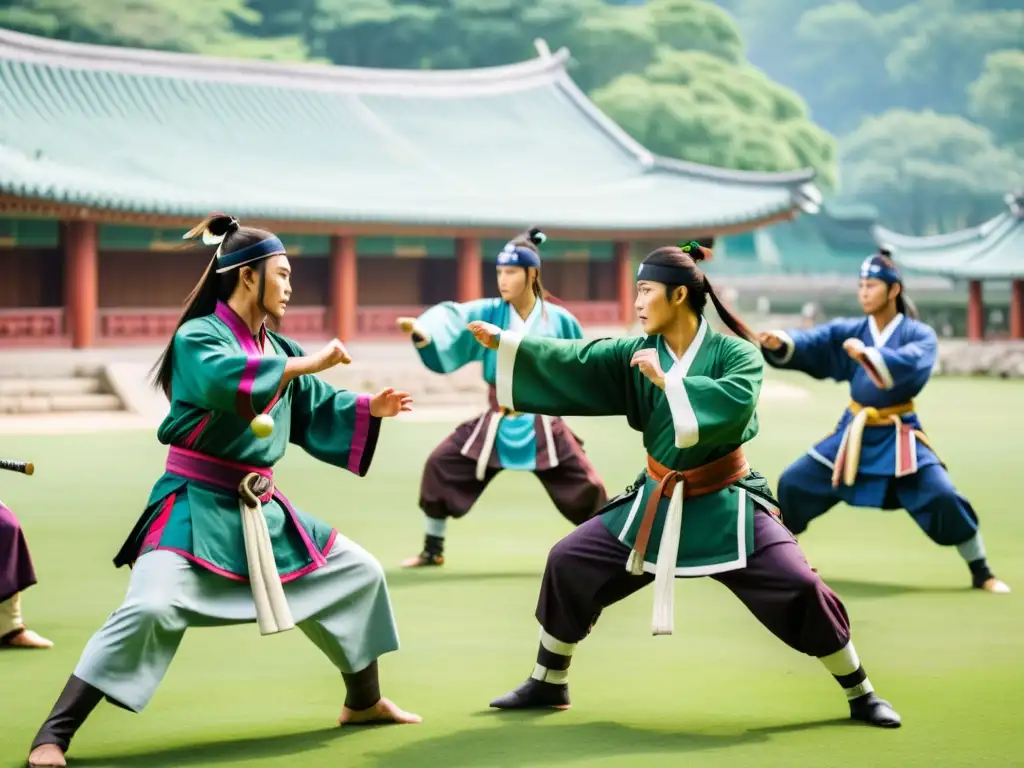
x=39, y=367
x=79, y=385
x=60, y=403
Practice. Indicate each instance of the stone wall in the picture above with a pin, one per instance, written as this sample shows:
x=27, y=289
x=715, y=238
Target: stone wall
x=959, y=357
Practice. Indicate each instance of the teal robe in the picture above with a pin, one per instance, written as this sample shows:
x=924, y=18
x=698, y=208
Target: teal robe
x=707, y=410
x=447, y=346
x=220, y=381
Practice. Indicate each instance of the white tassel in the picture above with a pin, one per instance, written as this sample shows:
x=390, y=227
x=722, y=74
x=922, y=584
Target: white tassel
x=663, y=622
x=635, y=564
x=272, y=612
x=488, y=446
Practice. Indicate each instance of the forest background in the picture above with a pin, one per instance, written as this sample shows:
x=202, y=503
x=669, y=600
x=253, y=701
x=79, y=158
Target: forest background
x=915, y=108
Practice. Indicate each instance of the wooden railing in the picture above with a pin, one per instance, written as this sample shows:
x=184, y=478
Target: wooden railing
x=39, y=327
x=128, y=326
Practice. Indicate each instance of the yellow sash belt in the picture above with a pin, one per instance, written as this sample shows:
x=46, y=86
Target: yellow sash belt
x=848, y=456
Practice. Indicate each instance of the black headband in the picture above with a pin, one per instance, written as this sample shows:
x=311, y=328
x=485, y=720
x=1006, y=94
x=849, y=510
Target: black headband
x=663, y=273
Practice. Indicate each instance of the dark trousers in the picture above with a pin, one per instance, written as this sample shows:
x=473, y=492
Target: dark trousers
x=16, y=571
x=449, y=487
x=586, y=572
x=928, y=495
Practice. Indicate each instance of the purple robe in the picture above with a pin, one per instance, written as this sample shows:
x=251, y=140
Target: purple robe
x=16, y=571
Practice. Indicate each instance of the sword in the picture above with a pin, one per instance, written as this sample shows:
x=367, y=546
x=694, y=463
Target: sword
x=25, y=467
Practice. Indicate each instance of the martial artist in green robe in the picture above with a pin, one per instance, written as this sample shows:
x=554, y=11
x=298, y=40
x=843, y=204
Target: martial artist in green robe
x=460, y=468
x=199, y=556
x=697, y=509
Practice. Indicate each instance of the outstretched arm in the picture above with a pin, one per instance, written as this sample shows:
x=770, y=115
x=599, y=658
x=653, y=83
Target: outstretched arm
x=817, y=352
x=559, y=377
x=219, y=378
x=440, y=335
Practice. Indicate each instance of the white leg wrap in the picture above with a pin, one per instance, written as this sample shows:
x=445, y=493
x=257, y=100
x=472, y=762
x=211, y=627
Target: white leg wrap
x=842, y=662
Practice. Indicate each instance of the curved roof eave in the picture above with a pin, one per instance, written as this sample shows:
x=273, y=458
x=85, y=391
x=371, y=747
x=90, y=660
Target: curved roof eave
x=299, y=75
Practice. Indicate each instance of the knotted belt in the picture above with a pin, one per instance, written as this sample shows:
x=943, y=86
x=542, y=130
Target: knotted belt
x=848, y=456
x=254, y=486
x=493, y=419
x=676, y=485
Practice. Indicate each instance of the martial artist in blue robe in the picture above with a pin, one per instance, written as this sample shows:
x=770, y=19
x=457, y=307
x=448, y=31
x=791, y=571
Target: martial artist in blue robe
x=878, y=455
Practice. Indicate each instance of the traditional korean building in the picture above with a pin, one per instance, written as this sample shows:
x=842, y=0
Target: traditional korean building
x=992, y=254
x=391, y=189
x=835, y=241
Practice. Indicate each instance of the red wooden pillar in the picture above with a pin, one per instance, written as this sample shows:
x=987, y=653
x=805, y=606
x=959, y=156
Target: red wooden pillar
x=81, y=283
x=975, y=312
x=1017, y=310
x=624, y=282
x=344, y=276
x=469, y=279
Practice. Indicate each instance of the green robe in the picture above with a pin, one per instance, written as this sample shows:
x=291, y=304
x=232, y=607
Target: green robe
x=706, y=411
x=220, y=381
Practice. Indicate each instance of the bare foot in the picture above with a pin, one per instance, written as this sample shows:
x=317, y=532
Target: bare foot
x=46, y=756
x=422, y=560
x=995, y=585
x=29, y=639
x=384, y=711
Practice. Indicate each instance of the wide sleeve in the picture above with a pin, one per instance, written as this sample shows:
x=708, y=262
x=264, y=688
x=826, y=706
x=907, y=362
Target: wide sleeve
x=559, y=377
x=212, y=374
x=818, y=352
x=441, y=338
x=910, y=364
x=333, y=425
x=571, y=328
x=716, y=411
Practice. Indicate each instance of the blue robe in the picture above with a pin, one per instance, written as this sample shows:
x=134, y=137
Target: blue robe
x=449, y=346
x=901, y=357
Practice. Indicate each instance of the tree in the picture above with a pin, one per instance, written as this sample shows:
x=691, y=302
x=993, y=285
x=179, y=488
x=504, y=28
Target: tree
x=610, y=43
x=695, y=106
x=695, y=25
x=934, y=66
x=167, y=25
x=997, y=98
x=850, y=45
x=927, y=172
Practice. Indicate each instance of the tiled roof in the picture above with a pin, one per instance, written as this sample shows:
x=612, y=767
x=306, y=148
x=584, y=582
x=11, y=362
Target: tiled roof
x=179, y=135
x=991, y=251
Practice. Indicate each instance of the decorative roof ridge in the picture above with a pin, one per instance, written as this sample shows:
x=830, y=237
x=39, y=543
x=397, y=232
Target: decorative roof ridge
x=948, y=239
x=297, y=75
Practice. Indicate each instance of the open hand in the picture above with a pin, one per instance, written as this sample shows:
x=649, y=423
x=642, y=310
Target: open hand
x=486, y=334
x=854, y=348
x=647, y=361
x=770, y=341
x=388, y=403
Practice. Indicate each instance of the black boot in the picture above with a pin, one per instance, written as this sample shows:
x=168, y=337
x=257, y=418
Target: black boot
x=75, y=703
x=535, y=694
x=874, y=711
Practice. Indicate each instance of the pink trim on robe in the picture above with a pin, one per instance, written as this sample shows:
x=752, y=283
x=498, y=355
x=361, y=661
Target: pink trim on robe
x=193, y=436
x=243, y=397
x=362, y=432
x=156, y=528
x=318, y=558
x=206, y=564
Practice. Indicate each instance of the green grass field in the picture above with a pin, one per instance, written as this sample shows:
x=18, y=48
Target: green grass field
x=721, y=691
